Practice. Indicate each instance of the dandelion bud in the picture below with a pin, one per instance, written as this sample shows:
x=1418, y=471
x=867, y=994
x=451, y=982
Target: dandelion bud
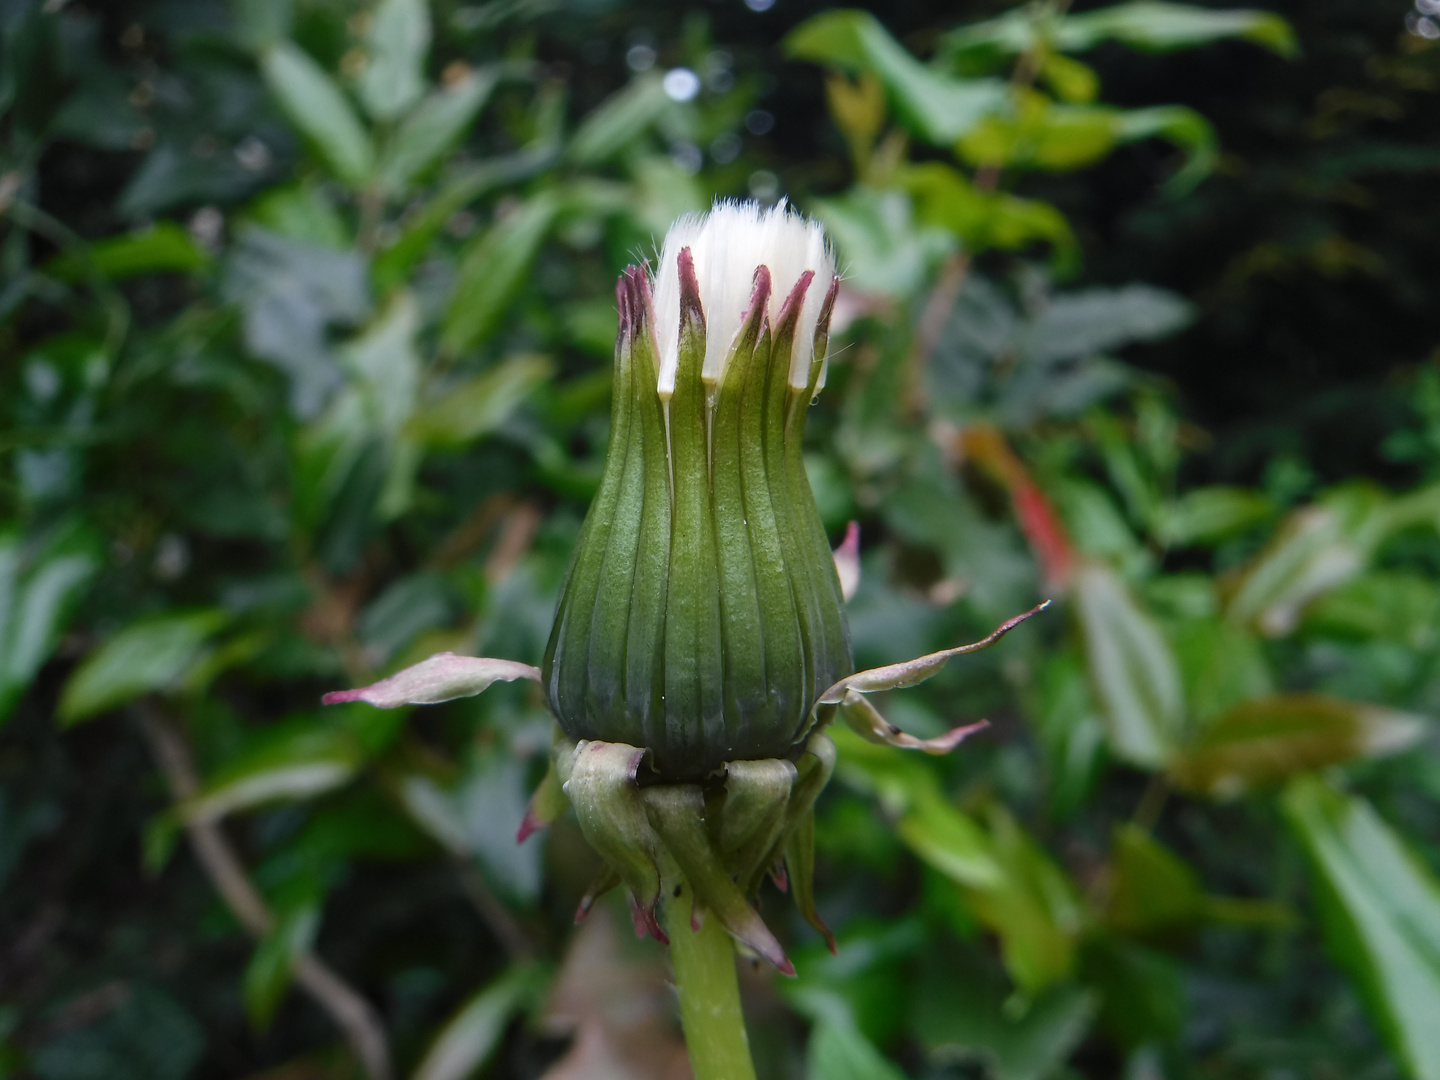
x=702, y=616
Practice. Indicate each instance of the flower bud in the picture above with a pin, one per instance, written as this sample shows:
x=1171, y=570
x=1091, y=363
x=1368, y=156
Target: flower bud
x=702, y=615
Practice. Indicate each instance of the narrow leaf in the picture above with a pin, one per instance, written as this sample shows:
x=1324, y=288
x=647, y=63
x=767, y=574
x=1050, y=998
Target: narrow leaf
x=318, y=109
x=1131, y=668
x=492, y=270
x=397, y=43
x=913, y=672
x=436, y=125
x=443, y=677
x=146, y=656
x=1380, y=910
x=1269, y=740
x=473, y=1034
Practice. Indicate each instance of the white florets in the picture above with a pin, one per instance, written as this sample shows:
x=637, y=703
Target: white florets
x=727, y=245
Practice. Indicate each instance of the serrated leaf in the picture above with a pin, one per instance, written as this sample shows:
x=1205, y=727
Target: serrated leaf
x=317, y=107
x=150, y=655
x=1267, y=741
x=1380, y=910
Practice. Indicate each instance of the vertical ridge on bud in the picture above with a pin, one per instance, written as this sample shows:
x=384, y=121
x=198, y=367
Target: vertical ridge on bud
x=565, y=683
x=694, y=698
x=645, y=636
x=746, y=689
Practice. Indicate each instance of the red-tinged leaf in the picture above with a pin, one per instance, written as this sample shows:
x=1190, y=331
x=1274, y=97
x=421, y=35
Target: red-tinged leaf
x=443, y=677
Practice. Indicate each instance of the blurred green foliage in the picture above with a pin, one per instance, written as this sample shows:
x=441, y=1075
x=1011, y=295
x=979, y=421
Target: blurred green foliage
x=304, y=366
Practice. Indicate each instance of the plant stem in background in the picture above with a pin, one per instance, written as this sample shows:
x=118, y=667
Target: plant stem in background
x=352, y=1014
x=704, y=962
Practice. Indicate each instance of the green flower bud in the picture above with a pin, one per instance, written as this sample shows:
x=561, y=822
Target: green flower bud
x=702, y=615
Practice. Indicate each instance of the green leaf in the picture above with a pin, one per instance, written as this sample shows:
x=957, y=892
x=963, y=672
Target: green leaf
x=164, y=247
x=301, y=211
x=888, y=251
x=839, y=1052
x=1146, y=25
x=1318, y=549
x=436, y=125
x=294, y=763
x=1221, y=665
x=1040, y=134
x=38, y=593
x=1132, y=669
x=1264, y=742
x=935, y=107
x=478, y=405
x=972, y=1018
x=1208, y=515
x=316, y=106
x=268, y=974
x=492, y=269
x=1141, y=990
x=1151, y=889
x=473, y=1034
x=394, y=264
x=619, y=120
x=1380, y=911
x=986, y=219
x=1401, y=606
x=1162, y=27
x=150, y=655
x=397, y=43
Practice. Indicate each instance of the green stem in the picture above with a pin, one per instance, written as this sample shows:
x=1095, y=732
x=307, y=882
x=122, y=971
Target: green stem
x=704, y=962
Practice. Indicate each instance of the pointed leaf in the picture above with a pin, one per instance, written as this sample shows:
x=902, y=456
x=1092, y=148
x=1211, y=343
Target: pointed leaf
x=443, y=677
x=677, y=813
x=397, y=43
x=867, y=722
x=37, y=596
x=913, y=672
x=1131, y=668
x=492, y=270
x=299, y=763
x=847, y=560
x=840, y=1052
x=318, y=109
x=936, y=107
x=1380, y=909
x=473, y=1034
x=268, y=975
x=150, y=655
x=479, y=404
x=436, y=125
x=1269, y=740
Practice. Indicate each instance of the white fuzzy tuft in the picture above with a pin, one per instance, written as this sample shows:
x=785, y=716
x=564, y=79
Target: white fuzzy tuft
x=727, y=245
